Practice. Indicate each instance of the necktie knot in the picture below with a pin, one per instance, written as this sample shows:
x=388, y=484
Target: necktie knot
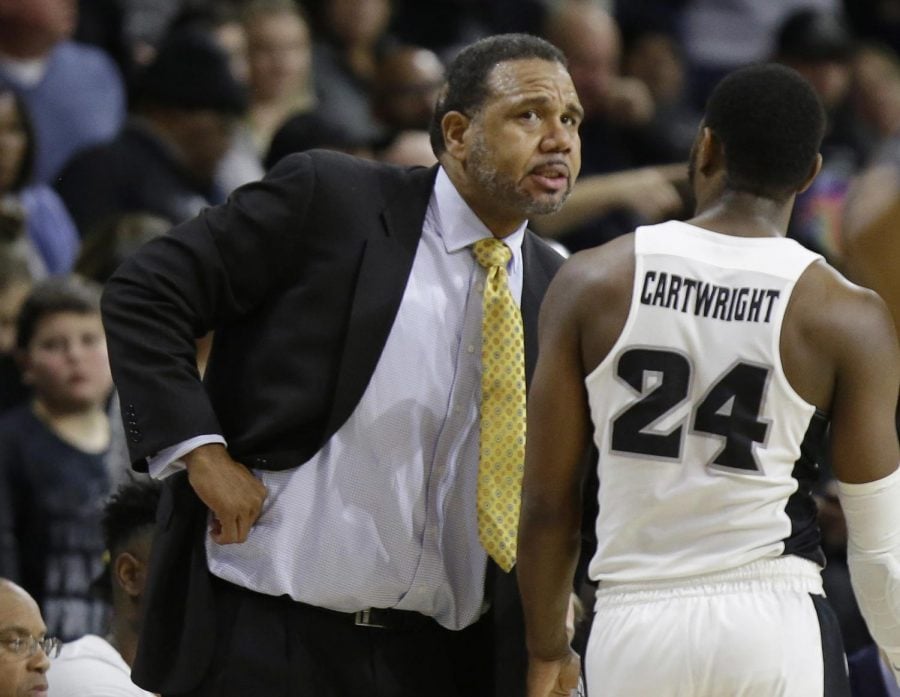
x=491, y=252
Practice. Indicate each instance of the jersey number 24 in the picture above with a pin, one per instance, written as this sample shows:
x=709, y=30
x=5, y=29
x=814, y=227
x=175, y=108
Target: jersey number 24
x=729, y=409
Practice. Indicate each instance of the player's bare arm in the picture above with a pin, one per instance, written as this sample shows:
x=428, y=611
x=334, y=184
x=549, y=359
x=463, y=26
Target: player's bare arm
x=859, y=333
x=558, y=433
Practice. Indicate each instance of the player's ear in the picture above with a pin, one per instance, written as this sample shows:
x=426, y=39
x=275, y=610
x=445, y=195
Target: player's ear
x=710, y=154
x=813, y=172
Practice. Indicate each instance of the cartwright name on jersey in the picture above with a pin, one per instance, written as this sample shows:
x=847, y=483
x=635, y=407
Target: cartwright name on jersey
x=704, y=299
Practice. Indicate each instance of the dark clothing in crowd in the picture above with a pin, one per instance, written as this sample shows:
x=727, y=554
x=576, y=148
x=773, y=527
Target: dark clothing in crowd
x=137, y=172
x=51, y=497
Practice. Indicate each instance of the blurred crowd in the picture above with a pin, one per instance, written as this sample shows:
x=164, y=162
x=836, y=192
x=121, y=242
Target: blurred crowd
x=121, y=118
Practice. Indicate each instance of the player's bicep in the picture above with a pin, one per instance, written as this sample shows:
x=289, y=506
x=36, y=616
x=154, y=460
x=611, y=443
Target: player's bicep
x=863, y=427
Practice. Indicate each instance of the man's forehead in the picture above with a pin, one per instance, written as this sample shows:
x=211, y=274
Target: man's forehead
x=18, y=610
x=519, y=78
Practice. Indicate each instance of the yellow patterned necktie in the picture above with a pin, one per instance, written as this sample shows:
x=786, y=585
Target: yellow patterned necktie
x=502, y=439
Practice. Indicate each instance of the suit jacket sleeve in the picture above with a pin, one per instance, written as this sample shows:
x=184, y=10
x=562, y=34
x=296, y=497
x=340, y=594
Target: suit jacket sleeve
x=212, y=269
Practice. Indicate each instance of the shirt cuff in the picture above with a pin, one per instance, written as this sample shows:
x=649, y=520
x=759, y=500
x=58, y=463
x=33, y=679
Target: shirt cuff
x=167, y=461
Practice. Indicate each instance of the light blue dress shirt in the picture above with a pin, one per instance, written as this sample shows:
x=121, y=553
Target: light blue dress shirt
x=385, y=514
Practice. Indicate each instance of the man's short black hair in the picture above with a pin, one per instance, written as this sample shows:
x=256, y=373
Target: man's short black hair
x=466, y=89
x=52, y=296
x=770, y=122
x=130, y=511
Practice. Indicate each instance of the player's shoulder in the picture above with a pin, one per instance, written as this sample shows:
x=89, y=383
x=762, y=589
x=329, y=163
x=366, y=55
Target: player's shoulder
x=836, y=308
x=597, y=277
x=603, y=267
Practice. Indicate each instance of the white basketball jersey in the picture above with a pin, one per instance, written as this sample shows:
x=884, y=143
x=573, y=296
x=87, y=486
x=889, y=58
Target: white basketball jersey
x=704, y=446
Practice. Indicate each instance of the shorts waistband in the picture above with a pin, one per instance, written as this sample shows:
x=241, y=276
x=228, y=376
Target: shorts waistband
x=787, y=574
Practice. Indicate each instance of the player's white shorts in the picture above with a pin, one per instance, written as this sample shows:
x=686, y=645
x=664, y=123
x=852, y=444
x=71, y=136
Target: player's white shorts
x=763, y=630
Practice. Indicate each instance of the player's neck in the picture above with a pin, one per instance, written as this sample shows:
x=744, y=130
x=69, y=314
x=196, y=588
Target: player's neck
x=744, y=215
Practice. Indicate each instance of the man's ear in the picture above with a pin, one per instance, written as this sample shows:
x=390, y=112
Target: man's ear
x=455, y=126
x=813, y=173
x=129, y=573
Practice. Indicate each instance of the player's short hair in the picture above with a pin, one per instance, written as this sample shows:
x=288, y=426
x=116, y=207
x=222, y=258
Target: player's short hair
x=466, y=89
x=770, y=122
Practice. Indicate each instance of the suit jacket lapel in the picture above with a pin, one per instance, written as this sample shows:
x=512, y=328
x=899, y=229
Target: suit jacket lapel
x=387, y=259
x=536, y=279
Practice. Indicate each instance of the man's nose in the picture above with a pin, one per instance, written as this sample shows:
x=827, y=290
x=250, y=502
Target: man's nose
x=559, y=137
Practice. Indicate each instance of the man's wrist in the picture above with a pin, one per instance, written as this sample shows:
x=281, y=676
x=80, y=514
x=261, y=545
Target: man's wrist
x=203, y=456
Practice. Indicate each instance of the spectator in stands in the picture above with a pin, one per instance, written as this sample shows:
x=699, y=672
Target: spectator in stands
x=53, y=469
x=601, y=209
x=354, y=33
x=721, y=36
x=74, y=92
x=311, y=130
x=108, y=245
x=652, y=55
x=94, y=666
x=241, y=163
x=165, y=160
x=16, y=280
x=51, y=235
x=404, y=92
x=871, y=245
x=405, y=88
x=25, y=648
x=820, y=47
x=875, y=90
x=279, y=56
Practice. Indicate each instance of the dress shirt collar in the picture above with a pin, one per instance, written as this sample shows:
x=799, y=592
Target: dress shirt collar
x=458, y=225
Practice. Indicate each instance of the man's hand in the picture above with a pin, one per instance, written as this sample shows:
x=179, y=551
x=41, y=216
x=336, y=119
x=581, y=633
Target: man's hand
x=630, y=102
x=556, y=678
x=650, y=191
x=228, y=489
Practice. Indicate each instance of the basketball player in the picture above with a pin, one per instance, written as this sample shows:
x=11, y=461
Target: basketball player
x=710, y=356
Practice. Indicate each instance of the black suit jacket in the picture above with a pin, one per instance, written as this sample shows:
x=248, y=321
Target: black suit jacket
x=301, y=276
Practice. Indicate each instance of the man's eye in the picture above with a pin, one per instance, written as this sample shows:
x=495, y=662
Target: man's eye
x=530, y=115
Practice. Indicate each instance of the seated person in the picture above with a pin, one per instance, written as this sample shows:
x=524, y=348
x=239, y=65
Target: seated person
x=94, y=666
x=165, y=160
x=25, y=648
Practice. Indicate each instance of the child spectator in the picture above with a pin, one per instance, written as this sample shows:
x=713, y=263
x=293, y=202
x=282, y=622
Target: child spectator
x=53, y=470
